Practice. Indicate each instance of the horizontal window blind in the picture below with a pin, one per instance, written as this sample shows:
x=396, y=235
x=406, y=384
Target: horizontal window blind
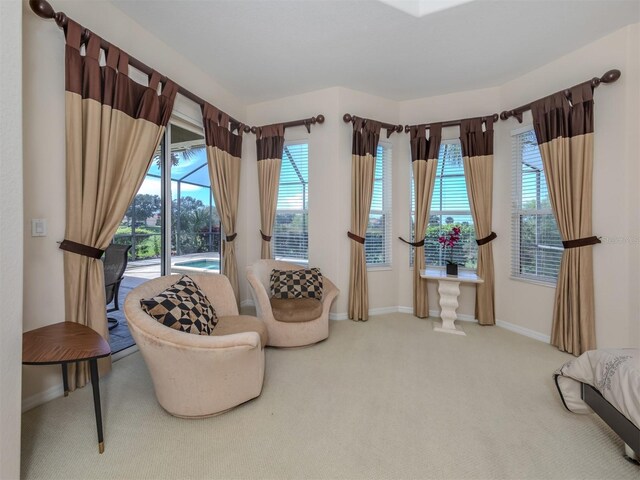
x=449, y=208
x=536, y=242
x=377, y=246
x=290, y=232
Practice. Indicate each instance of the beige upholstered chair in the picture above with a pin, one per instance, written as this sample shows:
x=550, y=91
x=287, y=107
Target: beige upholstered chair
x=293, y=330
x=200, y=375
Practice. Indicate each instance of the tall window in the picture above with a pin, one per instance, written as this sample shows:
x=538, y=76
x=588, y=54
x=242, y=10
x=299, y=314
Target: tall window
x=449, y=208
x=377, y=246
x=291, y=228
x=536, y=242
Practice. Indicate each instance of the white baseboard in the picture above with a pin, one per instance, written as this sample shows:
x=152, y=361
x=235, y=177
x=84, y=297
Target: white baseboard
x=463, y=317
x=527, y=332
x=42, y=397
x=373, y=311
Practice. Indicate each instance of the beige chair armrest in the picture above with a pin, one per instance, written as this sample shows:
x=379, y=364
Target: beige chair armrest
x=260, y=295
x=154, y=330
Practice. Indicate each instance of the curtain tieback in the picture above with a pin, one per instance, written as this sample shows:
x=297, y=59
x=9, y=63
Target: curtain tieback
x=355, y=237
x=414, y=244
x=487, y=239
x=80, y=249
x=266, y=238
x=231, y=238
x=580, y=242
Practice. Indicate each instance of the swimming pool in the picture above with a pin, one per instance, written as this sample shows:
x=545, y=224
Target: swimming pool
x=201, y=265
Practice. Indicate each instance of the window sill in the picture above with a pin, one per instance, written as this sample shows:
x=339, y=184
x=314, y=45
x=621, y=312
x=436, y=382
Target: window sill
x=379, y=268
x=533, y=281
x=435, y=267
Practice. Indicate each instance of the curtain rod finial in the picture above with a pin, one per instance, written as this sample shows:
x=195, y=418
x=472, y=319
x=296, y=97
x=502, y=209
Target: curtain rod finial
x=42, y=8
x=347, y=117
x=495, y=117
x=611, y=76
x=320, y=118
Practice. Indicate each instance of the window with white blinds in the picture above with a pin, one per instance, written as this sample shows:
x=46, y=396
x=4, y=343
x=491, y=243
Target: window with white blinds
x=449, y=208
x=536, y=242
x=377, y=246
x=290, y=231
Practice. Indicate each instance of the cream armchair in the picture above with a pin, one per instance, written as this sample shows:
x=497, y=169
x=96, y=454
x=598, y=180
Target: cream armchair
x=200, y=375
x=289, y=333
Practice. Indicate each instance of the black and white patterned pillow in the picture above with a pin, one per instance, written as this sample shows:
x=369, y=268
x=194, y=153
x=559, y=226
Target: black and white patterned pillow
x=304, y=283
x=183, y=307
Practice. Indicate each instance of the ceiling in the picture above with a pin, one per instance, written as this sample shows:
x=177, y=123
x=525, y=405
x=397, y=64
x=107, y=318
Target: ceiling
x=266, y=49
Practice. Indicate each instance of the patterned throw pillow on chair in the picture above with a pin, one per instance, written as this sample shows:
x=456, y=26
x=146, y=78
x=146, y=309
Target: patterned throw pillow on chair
x=183, y=307
x=305, y=283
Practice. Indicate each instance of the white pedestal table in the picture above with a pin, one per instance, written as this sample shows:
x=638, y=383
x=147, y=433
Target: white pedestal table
x=449, y=290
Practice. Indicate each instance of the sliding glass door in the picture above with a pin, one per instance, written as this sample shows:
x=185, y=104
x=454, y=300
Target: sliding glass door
x=195, y=224
x=172, y=224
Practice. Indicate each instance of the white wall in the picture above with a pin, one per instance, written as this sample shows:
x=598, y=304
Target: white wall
x=329, y=186
x=44, y=185
x=616, y=203
x=525, y=305
x=433, y=109
x=10, y=235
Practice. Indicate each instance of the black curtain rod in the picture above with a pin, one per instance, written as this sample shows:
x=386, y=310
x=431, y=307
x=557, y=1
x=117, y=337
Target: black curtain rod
x=43, y=9
x=307, y=122
x=609, y=77
x=391, y=128
x=451, y=123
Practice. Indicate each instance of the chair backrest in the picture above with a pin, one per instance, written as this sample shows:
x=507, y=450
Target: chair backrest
x=115, y=263
x=262, y=269
x=216, y=287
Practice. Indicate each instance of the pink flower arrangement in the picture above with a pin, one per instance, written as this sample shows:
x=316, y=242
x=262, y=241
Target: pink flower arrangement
x=449, y=240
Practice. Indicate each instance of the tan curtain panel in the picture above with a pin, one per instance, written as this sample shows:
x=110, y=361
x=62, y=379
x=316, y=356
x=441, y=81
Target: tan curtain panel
x=424, y=162
x=269, y=147
x=113, y=127
x=477, y=156
x=564, y=130
x=224, y=150
x=366, y=135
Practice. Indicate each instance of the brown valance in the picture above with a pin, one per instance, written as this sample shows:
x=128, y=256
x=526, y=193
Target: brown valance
x=557, y=116
x=269, y=141
x=366, y=135
x=110, y=85
x=423, y=148
x=217, y=132
x=475, y=141
x=581, y=242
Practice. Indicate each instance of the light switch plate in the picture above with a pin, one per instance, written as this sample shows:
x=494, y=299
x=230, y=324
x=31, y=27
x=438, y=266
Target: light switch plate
x=38, y=227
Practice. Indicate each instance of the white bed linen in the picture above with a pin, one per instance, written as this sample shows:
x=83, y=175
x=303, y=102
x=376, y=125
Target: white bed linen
x=615, y=373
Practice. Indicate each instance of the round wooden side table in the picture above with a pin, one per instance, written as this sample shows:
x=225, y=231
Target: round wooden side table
x=63, y=343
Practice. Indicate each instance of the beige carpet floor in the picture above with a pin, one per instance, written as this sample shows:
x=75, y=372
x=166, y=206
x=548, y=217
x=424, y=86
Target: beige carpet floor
x=389, y=398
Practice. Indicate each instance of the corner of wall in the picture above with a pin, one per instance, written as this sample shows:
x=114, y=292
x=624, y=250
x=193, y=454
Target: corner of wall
x=11, y=233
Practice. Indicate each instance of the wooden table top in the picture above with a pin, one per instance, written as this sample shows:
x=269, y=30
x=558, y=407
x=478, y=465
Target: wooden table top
x=62, y=342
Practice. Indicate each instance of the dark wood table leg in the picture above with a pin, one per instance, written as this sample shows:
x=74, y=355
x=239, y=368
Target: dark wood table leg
x=65, y=379
x=93, y=365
